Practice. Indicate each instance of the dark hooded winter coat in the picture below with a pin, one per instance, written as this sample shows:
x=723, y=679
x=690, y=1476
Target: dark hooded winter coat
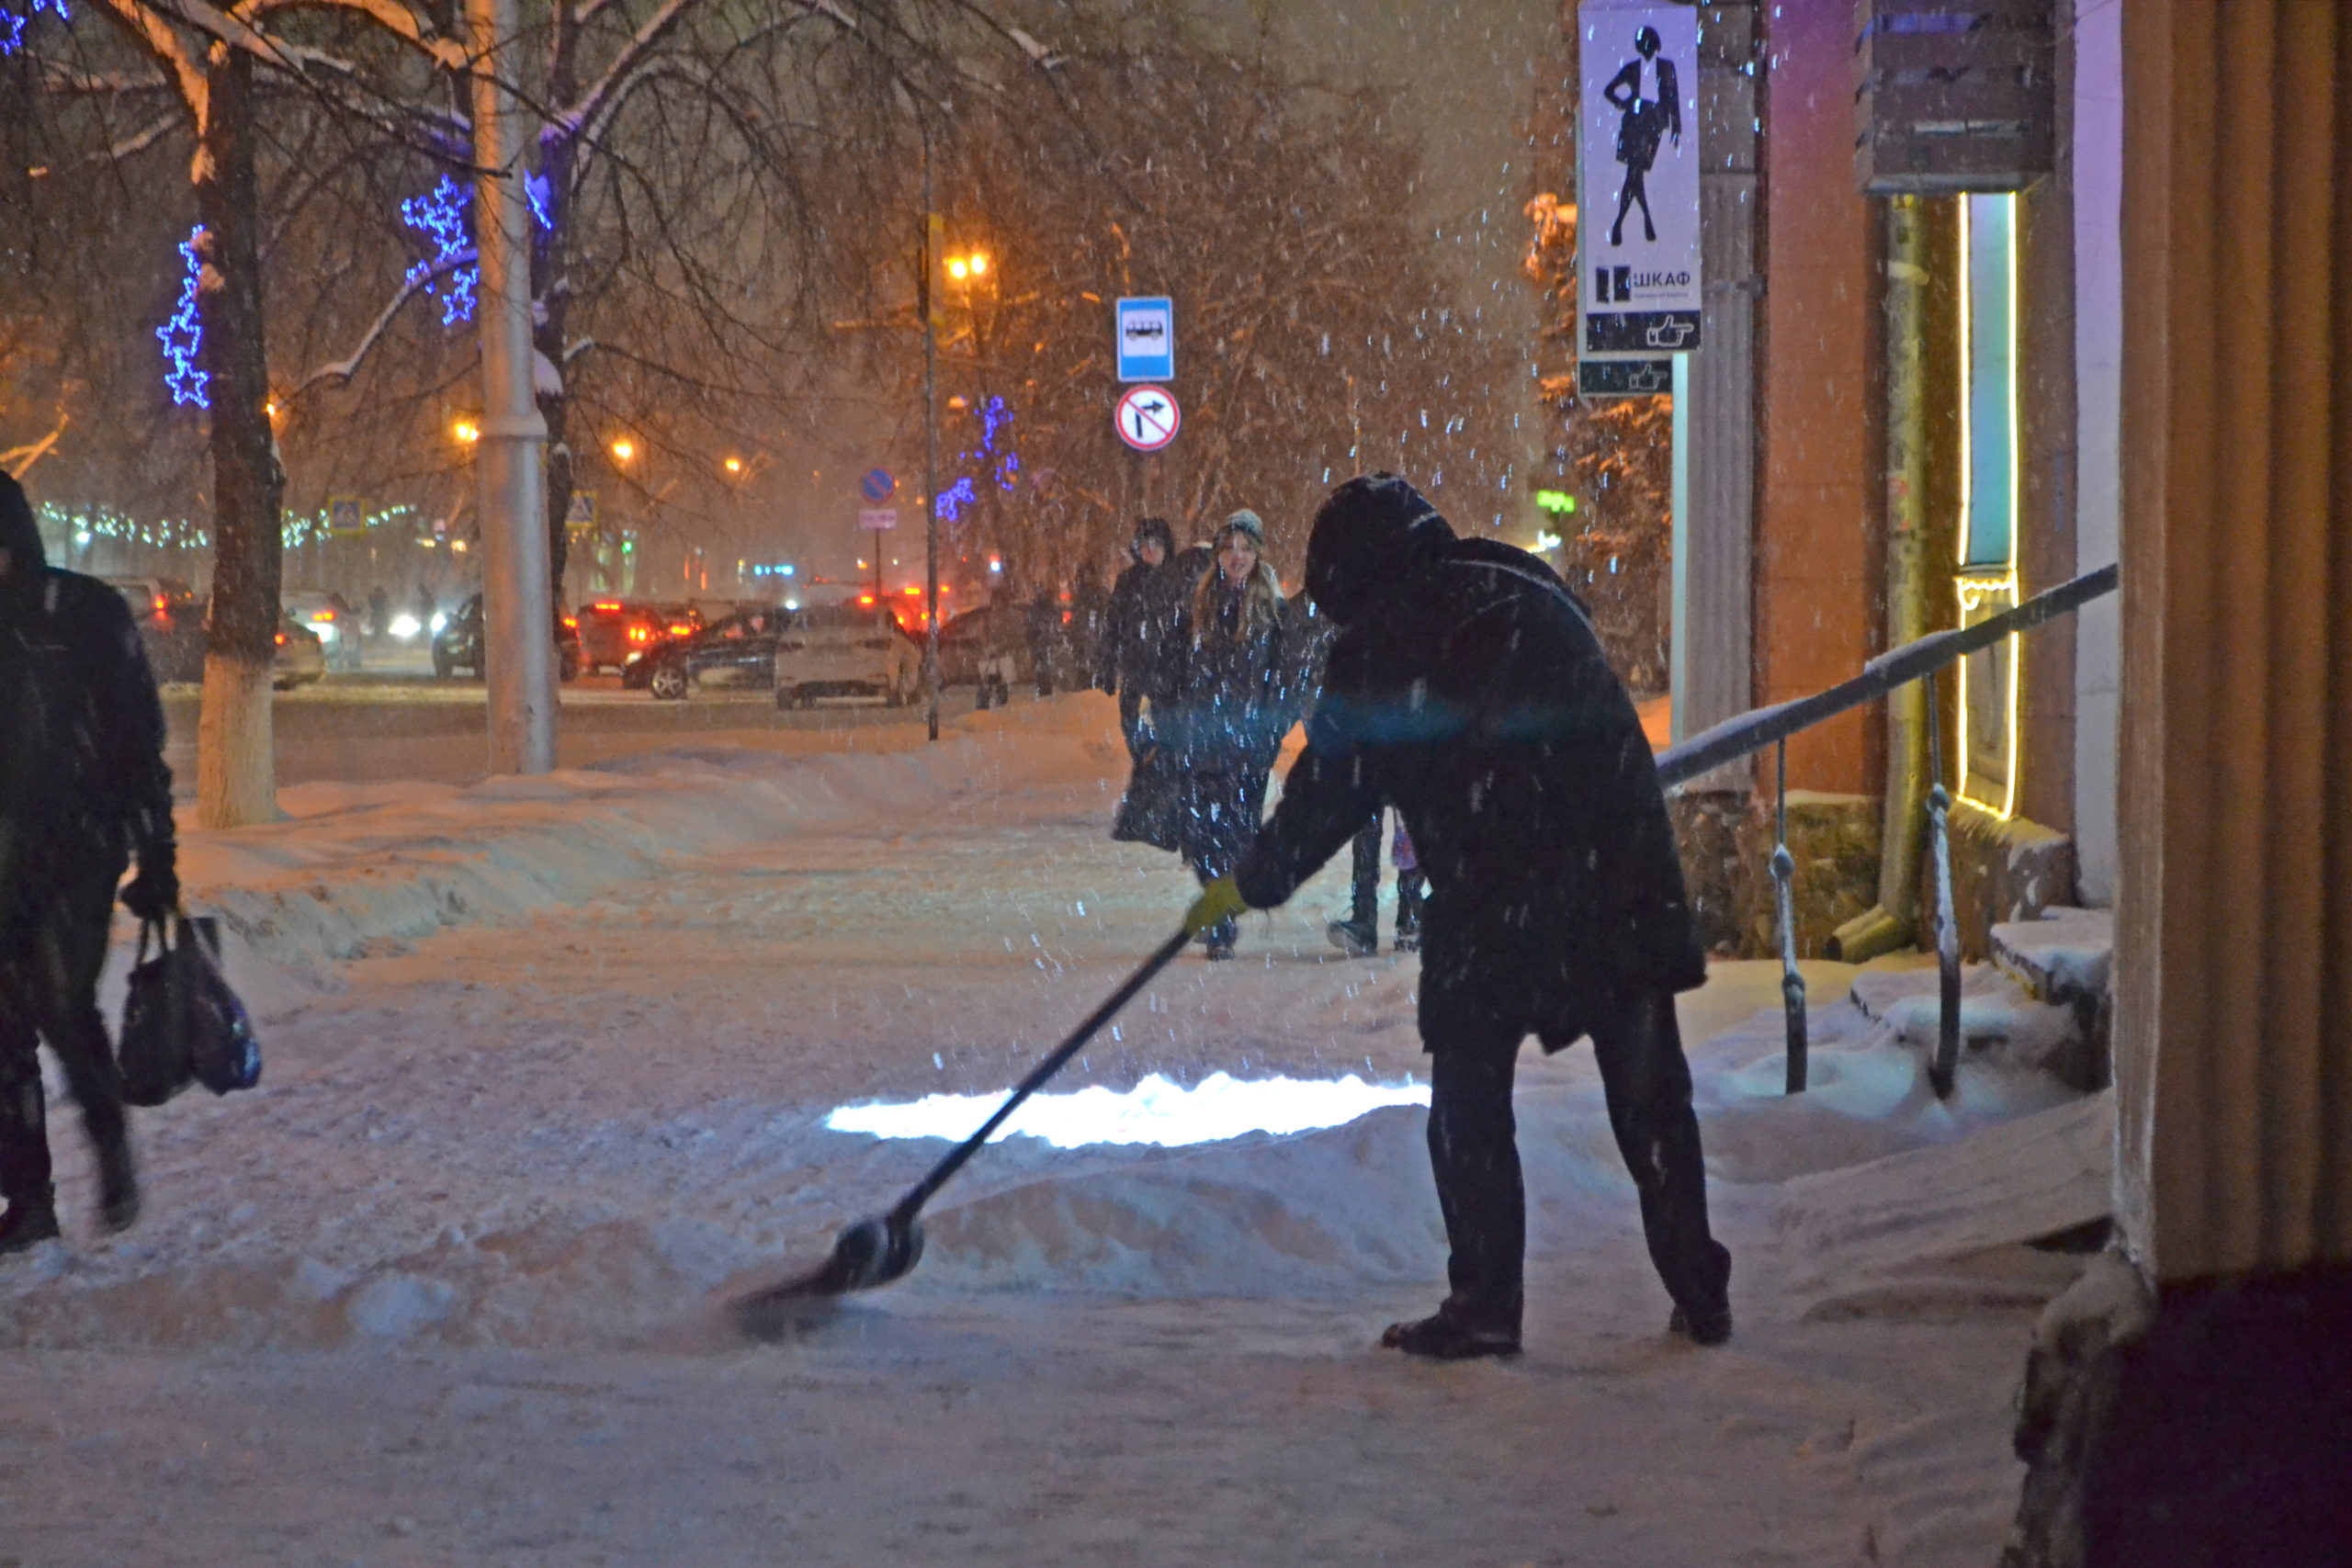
x=83, y=783
x=1136, y=625
x=1465, y=687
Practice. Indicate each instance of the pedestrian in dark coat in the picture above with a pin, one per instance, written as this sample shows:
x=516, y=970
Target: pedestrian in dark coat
x=82, y=790
x=1465, y=688
x=1231, y=708
x=1133, y=640
x=1138, y=647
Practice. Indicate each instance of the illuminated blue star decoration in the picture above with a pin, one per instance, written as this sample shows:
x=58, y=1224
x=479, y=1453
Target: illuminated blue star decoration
x=13, y=24
x=440, y=216
x=1005, y=465
x=183, y=335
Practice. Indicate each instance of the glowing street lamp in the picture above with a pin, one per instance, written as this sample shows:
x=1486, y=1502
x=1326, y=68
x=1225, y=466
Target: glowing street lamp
x=624, y=449
x=467, y=432
x=734, y=465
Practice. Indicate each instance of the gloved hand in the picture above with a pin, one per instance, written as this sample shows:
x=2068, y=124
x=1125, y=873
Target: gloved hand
x=155, y=891
x=1218, y=902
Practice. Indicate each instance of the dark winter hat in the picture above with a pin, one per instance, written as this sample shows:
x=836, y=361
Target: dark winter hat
x=1158, y=528
x=1373, y=528
x=18, y=533
x=1244, y=522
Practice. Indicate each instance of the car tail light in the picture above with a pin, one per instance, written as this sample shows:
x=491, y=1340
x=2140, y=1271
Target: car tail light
x=680, y=628
x=605, y=604
x=572, y=622
x=322, y=614
x=161, y=603
x=640, y=634
x=281, y=640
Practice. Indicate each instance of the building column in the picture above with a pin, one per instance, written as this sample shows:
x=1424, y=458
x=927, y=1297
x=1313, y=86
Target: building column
x=2192, y=1401
x=1713, y=655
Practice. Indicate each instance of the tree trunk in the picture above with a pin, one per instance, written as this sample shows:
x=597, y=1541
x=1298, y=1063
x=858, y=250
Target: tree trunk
x=236, y=761
x=551, y=292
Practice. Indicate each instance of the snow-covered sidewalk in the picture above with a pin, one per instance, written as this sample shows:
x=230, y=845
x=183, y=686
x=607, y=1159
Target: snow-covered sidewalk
x=548, y=1066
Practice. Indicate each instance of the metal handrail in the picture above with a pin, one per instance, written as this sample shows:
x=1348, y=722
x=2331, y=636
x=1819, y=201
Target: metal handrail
x=1757, y=729
x=1754, y=731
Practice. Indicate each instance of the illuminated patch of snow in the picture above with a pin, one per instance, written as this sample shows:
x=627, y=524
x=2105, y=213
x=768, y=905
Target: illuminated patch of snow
x=1155, y=1111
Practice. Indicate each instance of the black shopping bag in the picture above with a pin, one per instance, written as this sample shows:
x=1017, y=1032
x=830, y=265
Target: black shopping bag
x=1149, y=810
x=180, y=1020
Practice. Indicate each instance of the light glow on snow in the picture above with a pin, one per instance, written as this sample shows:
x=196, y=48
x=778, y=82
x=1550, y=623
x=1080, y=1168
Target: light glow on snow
x=1155, y=1111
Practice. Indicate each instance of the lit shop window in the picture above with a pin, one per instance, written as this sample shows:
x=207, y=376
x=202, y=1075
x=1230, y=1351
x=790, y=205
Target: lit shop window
x=1990, y=440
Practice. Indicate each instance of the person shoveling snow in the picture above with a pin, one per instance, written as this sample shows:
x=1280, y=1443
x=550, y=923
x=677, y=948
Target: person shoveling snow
x=1466, y=688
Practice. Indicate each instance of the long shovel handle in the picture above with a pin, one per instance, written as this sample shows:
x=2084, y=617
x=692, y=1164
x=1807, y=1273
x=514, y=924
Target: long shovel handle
x=921, y=1191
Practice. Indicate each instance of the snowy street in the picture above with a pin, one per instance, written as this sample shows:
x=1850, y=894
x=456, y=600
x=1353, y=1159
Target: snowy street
x=547, y=1062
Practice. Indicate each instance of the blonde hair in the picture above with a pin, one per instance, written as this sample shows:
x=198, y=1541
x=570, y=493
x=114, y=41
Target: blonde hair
x=1263, y=601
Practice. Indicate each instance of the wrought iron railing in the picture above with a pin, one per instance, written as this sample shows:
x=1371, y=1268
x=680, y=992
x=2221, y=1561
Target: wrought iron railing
x=1752, y=731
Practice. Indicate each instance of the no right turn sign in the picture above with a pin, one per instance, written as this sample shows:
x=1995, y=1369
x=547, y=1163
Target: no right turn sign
x=1148, y=418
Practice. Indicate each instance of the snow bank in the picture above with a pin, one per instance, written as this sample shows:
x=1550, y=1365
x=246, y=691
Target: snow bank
x=363, y=869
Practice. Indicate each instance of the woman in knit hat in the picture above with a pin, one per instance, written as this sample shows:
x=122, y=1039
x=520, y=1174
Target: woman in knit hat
x=1230, y=711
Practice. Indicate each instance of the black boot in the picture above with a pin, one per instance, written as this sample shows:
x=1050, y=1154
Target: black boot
x=28, y=1222
x=1220, y=937
x=1357, y=939
x=1451, y=1335
x=1409, y=914
x=118, y=1184
x=1712, y=1326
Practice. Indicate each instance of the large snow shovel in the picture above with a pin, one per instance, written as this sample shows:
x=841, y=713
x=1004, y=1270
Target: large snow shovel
x=876, y=1251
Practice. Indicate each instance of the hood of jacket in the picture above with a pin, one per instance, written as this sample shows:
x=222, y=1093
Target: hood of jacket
x=18, y=533
x=1375, y=529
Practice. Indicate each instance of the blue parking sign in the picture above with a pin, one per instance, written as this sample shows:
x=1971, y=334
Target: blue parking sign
x=1147, y=339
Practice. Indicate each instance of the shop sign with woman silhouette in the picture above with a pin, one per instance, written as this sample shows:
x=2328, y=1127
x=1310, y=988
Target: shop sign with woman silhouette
x=1640, y=180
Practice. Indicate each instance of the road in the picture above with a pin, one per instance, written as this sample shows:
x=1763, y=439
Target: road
x=403, y=724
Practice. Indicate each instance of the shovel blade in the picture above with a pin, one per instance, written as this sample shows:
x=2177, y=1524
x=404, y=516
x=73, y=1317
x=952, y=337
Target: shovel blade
x=865, y=1254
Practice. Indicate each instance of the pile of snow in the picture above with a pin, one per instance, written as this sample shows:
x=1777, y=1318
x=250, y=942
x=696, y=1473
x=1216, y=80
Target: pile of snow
x=358, y=870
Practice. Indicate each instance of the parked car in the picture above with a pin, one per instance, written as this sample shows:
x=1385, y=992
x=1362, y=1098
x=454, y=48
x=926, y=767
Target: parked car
x=458, y=644
x=612, y=629
x=301, y=657
x=838, y=650
x=171, y=624
x=966, y=640
x=737, y=650
x=334, y=622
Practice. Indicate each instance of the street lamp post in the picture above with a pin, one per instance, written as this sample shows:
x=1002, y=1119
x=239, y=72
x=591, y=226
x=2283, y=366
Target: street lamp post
x=517, y=598
x=929, y=307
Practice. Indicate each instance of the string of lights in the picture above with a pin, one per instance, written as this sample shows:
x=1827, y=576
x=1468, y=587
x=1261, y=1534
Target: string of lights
x=183, y=335
x=440, y=216
x=1005, y=466
x=13, y=22
x=86, y=527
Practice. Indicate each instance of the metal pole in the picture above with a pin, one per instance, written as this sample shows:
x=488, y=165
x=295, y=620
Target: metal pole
x=930, y=442
x=1947, y=1058
x=1784, y=871
x=518, y=602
